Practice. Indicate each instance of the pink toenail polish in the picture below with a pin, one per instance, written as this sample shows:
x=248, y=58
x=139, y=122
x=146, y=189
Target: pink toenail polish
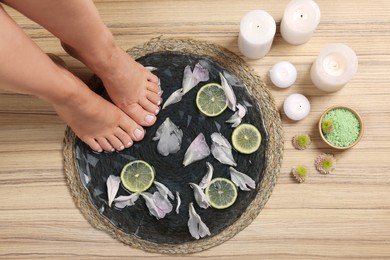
x=157, y=111
x=129, y=144
x=159, y=102
x=113, y=150
x=137, y=133
x=121, y=148
x=149, y=118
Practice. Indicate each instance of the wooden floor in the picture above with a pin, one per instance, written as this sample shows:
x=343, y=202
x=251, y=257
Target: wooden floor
x=344, y=215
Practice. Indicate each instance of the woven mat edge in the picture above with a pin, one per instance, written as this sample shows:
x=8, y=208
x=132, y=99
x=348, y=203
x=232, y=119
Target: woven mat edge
x=274, y=151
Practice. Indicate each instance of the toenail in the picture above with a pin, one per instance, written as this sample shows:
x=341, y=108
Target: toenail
x=98, y=151
x=113, y=150
x=157, y=111
x=149, y=118
x=137, y=133
x=121, y=148
x=129, y=144
x=160, y=92
x=159, y=102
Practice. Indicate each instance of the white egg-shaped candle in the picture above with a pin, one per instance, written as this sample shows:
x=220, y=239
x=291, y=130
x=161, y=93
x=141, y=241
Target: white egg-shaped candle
x=299, y=21
x=296, y=106
x=257, y=31
x=334, y=67
x=283, y=74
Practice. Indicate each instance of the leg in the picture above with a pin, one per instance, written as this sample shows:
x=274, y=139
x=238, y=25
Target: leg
x=78, y=25
x=96, y=121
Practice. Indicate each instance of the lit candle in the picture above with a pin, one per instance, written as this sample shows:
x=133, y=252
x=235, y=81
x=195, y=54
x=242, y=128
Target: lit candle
x=296, y=107
x=283, y=74
x=257, y=31
x=334, y=67
x=300, y=19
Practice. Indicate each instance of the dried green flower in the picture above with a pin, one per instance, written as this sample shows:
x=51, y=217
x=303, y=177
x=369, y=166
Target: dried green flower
x=300, y=173
x=325, y=163
x=327, y=126
x=301, y=141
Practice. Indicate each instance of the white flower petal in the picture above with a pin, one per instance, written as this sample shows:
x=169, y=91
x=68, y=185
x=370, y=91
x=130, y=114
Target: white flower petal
x=219, y=139
x=196, y=226
x=236, y=118
x=197, y=150
x=124, y=201
x=207, y=178
x=164, y=191
x=178, y=199
x=175, y=97
x=151, y=68
x=243, y=181
x=200, y=197
x=230, y=96
x=169, y=136
x=112, y=187
x=222, y=150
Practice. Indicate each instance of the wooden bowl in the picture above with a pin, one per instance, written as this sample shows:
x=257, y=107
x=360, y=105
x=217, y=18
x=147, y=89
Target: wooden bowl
x=357, y=116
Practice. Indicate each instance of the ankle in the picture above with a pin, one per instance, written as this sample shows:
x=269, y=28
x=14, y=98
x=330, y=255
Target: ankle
x=98, y=55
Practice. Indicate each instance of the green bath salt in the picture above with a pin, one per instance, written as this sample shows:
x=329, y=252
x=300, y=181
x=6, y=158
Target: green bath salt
x=346, y=127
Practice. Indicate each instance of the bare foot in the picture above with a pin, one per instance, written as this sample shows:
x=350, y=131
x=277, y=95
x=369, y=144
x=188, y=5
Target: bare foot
x=133, y=88
x=96, y=121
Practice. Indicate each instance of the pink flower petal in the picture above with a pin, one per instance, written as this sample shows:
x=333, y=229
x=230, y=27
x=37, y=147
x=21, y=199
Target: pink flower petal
x=124, y=201
x=191, y=79
x=197, y=150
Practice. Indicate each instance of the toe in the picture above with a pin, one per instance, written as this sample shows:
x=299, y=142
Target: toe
x=138, y=134
x=132, y=129
x=115, y=143
x=93, y=144
x=150, y=107
x=124, y=138
x=152, y=78
x=153, y=87
x=106, y=146
x=140, y=115
x=154, y=98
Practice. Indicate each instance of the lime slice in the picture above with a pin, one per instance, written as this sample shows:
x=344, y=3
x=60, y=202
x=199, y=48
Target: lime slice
x=137, y=176
x=246, y=138
x=211, y=99
x=221, y=193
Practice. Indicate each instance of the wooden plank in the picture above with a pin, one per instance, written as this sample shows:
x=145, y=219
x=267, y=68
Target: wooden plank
x=342, y=215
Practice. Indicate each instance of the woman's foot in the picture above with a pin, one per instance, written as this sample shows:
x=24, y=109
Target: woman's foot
x=133, y=88
x=97, y=122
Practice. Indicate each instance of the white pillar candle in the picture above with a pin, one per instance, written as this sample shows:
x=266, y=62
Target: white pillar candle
x=334, y=67
x=283, y=74
x=300, y=19
x=296, y=107
x=257, y=31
